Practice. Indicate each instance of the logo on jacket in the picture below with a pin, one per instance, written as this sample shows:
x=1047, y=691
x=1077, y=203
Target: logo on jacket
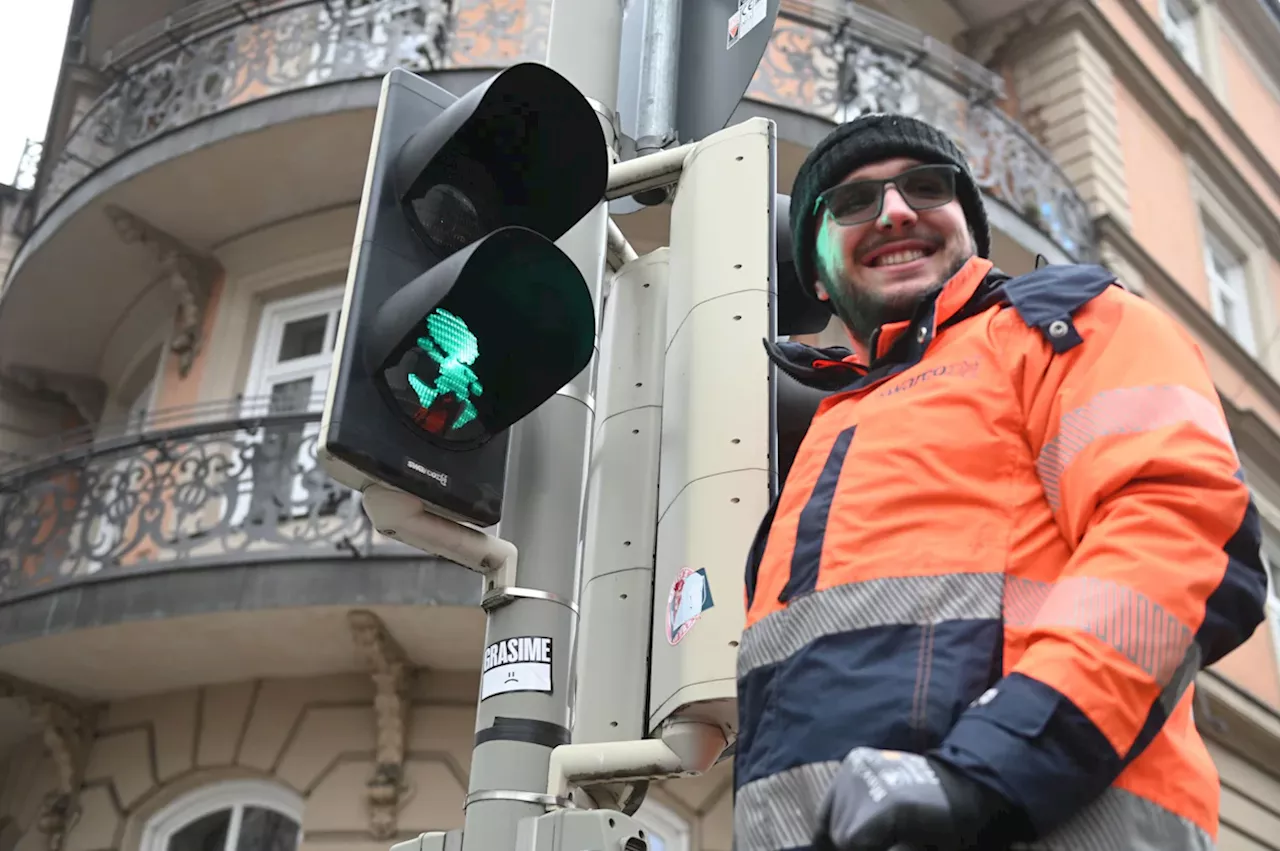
x=690, y=596
x=967, y=368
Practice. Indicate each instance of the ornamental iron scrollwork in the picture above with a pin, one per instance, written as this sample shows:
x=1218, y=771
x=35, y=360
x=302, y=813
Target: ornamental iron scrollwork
x=833, y=60
x=285, y=46
x=223, y=492
x=839, y=66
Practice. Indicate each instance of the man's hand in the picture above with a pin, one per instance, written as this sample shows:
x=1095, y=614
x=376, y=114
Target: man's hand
x=881, y=800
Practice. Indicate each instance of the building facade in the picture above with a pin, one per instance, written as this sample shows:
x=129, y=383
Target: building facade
x=202, y=639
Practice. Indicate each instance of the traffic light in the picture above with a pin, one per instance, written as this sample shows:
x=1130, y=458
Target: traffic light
x=461, y=316
x=798, y=313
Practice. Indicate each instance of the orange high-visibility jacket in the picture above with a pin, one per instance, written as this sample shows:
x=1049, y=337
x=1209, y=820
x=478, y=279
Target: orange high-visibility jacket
x=1010, y=543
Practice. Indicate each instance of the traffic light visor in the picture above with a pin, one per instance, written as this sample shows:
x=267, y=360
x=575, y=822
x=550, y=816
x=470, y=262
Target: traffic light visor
x=524, y=148
x=472, y=348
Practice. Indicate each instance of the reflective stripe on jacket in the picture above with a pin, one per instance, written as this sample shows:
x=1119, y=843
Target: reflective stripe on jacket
x=1010, y=544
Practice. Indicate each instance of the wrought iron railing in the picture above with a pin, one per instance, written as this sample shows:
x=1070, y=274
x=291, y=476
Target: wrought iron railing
x=273, y=46
x=234, y=486
x=828, y=58
x=836, y=60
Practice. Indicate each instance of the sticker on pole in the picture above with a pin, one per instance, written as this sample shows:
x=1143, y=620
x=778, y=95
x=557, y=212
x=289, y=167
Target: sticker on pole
x=690, y=596
x=750, y=14
x=516, y=664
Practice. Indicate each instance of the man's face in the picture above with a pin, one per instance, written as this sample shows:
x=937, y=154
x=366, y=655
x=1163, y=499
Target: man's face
x=876, y=272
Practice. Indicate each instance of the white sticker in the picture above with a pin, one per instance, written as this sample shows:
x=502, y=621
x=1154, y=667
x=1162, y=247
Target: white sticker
x=516, y=664
x=689, y=597
x=749, y=15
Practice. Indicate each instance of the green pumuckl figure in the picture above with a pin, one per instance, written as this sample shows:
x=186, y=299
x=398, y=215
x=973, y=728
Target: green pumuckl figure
x=450, y=344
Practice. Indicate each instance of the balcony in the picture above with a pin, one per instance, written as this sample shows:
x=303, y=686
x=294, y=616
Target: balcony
x=213, y=520
x=823, y=61
x=265, y=118
x=836, y=65
x=216, y=56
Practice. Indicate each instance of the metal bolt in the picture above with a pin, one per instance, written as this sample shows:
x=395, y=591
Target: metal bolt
x=1058, y=328
x=921, y=334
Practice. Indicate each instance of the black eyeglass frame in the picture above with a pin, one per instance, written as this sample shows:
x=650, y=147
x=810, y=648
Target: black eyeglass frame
x=880, y=184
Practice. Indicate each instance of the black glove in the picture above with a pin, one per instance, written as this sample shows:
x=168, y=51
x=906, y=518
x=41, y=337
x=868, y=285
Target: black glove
x=895, y=801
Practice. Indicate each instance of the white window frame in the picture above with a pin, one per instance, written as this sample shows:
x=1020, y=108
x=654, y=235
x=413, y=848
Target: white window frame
x=1273, y=599
x=141, y=408
x=234, y=795
x=1184, y=33
x=1235, y=288
x=255, y=402
x=673, y=829
x=275, y=316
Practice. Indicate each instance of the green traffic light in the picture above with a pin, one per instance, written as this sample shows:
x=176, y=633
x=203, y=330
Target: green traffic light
x=450, y=343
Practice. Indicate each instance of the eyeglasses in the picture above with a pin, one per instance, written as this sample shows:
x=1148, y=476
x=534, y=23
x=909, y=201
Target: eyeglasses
x=923, y=187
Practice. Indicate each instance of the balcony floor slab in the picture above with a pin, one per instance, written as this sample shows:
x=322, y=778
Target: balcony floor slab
x=186, y=627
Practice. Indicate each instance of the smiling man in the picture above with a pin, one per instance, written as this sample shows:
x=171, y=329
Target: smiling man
x=1015, y=531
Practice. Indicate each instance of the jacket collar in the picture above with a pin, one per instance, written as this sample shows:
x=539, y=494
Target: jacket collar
x=932, y=313
x=973, y=289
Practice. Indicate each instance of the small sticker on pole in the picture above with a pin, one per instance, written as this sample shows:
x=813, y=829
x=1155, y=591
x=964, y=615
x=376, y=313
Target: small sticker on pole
x=690, y=596
x=750, y=14
x=516, y=664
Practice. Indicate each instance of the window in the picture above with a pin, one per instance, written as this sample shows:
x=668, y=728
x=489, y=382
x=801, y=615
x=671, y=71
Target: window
x=1178, y=20
x=290, y=369
x=140, y=407
x=667, y=831
x=1229, y=291
x=243, y=815
x=1273, y=598
x=289, y=374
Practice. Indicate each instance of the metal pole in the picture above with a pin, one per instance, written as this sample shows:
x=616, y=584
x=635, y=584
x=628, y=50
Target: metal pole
x=545, y=495
x=659, y=71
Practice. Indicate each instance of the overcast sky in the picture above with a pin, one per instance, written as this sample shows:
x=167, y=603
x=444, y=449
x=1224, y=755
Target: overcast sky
x=32, y=33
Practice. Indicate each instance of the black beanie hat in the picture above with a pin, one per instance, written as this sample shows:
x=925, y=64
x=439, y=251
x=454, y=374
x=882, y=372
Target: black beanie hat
x=868, y=139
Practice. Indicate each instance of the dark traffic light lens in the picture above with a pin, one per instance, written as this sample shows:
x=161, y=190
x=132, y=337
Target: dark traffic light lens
x=447, y=218
x=453, y=204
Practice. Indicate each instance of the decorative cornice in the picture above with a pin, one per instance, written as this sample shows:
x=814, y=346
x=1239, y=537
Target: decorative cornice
x=1085, y=17
x=15, y=687
x=393, y=675
x=66, y=729
x=86, y=393
x=191, y=276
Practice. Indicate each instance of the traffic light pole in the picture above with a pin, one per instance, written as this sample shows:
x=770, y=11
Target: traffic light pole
x=545, y=494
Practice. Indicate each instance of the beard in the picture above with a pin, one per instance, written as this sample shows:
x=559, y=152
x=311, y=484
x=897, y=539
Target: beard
x=863, y=309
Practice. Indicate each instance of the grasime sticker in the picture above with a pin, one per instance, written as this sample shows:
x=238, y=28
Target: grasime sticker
x=516, y=664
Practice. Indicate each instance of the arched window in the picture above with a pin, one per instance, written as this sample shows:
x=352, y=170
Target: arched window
x=667, y=830
x=240, y=815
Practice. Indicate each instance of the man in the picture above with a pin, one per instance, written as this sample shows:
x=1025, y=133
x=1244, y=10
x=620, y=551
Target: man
x=1014, y=532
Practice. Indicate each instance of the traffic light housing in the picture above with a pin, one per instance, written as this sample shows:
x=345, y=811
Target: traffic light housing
x=798, y=313
x=461, y=316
